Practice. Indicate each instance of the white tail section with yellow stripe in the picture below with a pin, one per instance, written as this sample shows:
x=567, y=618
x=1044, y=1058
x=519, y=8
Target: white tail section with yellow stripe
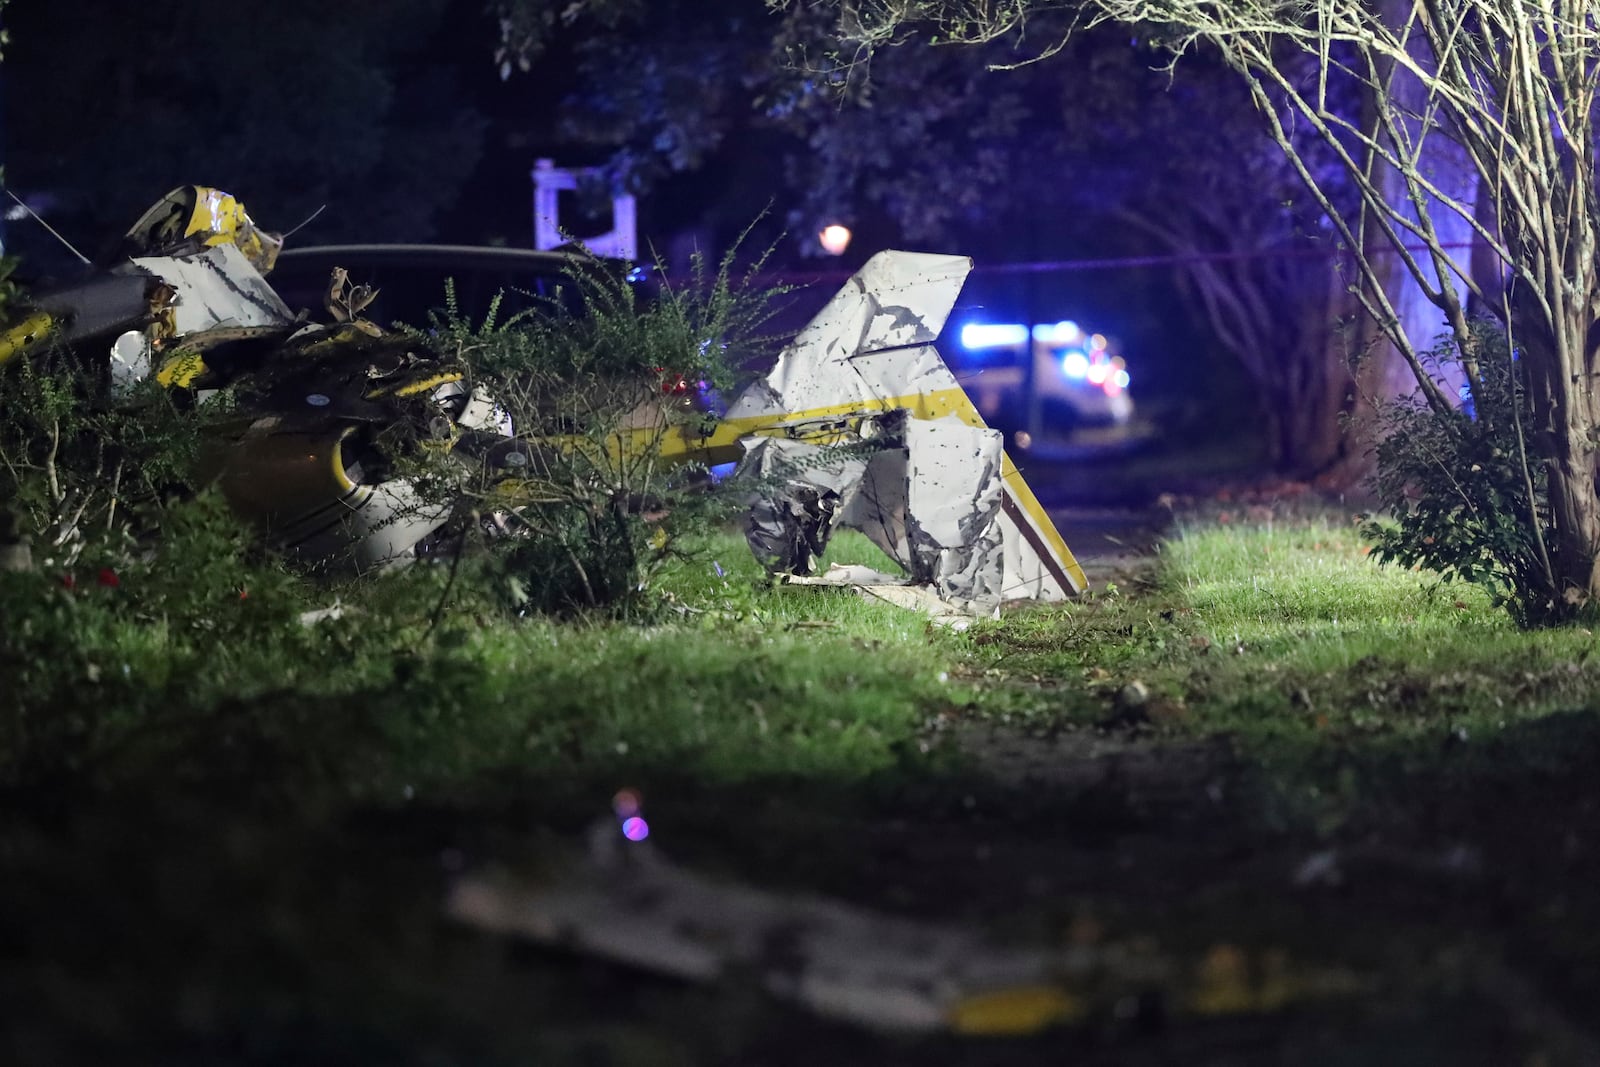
x=953, y=508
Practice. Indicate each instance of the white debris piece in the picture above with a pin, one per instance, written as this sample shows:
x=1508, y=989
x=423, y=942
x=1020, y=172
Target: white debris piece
x=861, y=424
x=889, y=588
x=130, y=361
x=217, y=287
x=898, y=302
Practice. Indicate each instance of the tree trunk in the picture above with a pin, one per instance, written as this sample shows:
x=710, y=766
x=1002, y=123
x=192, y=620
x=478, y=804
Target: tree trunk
x=1422, y=318
x=1277, y=312
x=1575, y=510
x=1574, y=505
x=1337, y=445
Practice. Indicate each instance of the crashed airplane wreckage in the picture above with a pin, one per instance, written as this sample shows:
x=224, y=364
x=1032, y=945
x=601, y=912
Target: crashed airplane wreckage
x=860, y=423
x=868, y=428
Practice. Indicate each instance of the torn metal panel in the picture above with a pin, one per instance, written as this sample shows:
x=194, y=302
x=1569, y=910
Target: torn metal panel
x=217, y=287
x=788, y=533
x=899, y=299
x=1039, y=564
x=193, y=217
x=895, y=300
x=811, y=487
x=934, y=500
x=952, y=513
x=944, y=500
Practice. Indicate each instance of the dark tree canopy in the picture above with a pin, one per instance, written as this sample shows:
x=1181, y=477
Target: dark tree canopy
x=929, y=150
x=938, y=142
x=722, y=111
x=289, y=104
x=1099, y=151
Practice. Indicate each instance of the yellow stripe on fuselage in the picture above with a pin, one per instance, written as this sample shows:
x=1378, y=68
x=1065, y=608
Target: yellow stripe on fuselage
x=1017, y=486
x=681, y=444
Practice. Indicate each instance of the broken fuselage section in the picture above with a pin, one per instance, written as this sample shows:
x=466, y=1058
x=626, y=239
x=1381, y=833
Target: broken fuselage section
x=312, y=414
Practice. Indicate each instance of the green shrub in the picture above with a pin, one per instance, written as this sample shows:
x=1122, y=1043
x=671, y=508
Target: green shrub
x=77, y=462
x=581, y=511
x=1466, y=500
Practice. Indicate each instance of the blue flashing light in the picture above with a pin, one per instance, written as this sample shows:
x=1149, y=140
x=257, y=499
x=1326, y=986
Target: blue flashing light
x=1074, y=364
x=993, y=335
x=1065, y=332
x=1121, y=378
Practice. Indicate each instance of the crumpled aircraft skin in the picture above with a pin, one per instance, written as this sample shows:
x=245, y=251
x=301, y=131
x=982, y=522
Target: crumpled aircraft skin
x=867, y=428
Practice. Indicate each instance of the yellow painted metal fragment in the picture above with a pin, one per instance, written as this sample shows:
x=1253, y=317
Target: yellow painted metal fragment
x=1023, y=1010
x=180, y=370
x=421, y=385
x=29, y=331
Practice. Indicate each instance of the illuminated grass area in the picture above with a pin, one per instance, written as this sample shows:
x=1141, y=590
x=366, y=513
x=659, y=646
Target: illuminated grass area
x=1275, y=632
x=741, y=681
x=1354, y=646
x=1286, y=628
x=731, y=680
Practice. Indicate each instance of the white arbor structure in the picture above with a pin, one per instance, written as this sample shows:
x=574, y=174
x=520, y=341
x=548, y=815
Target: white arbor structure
x=549, y=181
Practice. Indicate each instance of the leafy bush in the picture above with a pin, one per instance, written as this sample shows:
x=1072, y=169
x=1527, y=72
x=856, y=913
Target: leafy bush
x=581, y=510
x=1466, y=499
x=116, y=641
x=77, y=461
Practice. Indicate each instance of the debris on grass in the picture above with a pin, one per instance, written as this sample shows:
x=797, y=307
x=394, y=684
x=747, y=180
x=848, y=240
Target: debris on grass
x=623, y=901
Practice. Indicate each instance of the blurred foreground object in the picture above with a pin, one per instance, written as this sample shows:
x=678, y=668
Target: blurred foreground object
x=622, y=901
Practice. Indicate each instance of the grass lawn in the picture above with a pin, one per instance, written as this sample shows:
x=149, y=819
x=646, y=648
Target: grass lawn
x=226, y=834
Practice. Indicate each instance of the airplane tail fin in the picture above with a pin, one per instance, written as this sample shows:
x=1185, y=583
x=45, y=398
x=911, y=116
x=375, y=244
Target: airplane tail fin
x=953, y=508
